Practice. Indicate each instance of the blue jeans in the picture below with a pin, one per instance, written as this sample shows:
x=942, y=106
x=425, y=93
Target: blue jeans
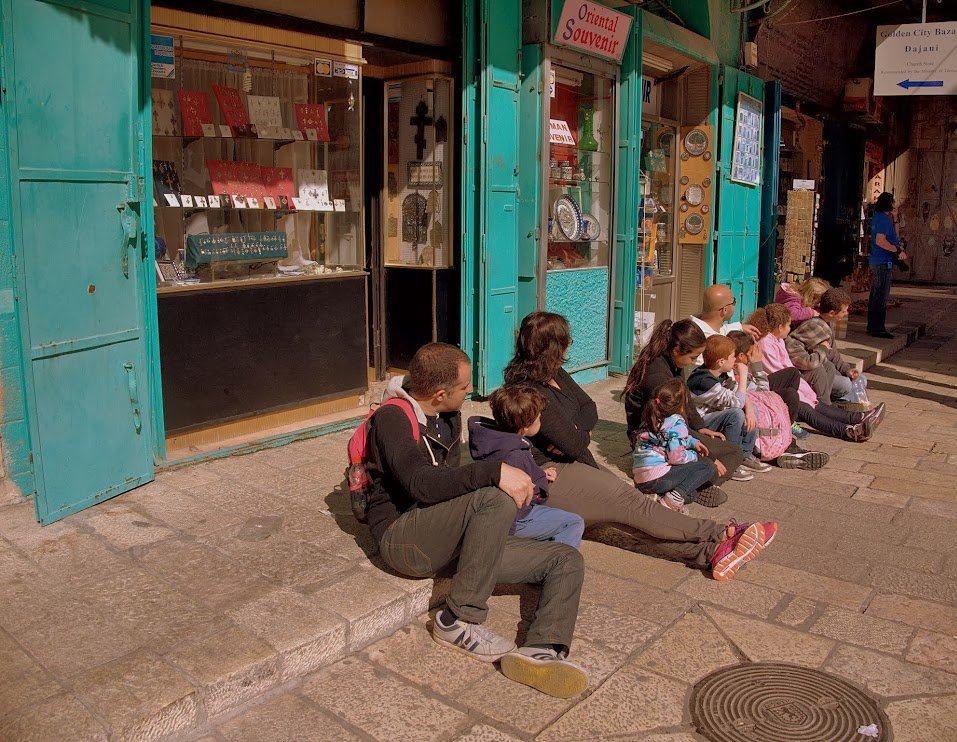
x=731, y=423
x=881, y=276
x=685, y=479
x=544, y=523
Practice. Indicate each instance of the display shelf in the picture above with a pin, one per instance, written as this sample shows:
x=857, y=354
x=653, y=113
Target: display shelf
x=572, y=182
x=250, y=209
x=236, y=283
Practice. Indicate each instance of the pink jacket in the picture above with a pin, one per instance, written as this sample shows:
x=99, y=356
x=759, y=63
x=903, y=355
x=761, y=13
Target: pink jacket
x=795, y=306
x=776, y=358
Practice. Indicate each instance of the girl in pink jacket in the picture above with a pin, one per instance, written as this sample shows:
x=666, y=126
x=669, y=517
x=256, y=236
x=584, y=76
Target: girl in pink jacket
x=801, y=299
x=775, y=322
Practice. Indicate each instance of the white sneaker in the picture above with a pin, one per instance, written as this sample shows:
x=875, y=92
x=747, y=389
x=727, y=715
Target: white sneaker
x=469, y=638
x=545, y=670
x=742, y=475
x=674, y=501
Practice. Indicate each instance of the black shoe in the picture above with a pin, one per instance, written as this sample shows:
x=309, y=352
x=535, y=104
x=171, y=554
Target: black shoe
x=712, y=496
x=797, y=458
x=885, y=334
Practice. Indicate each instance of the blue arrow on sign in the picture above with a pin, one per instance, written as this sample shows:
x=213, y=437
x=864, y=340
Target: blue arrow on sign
x=907, y=84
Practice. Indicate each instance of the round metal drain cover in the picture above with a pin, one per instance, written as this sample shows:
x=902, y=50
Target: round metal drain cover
x=772, y=701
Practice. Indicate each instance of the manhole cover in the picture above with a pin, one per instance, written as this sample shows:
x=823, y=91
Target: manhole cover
x=772, y=701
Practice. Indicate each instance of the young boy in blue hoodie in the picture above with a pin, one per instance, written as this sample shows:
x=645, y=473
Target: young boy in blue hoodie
x=517, y=412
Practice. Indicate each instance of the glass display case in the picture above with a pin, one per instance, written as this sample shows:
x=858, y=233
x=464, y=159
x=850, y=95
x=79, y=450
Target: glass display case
x=256, y=166
x=657, y=210
x=579, y=170
x=419, y=172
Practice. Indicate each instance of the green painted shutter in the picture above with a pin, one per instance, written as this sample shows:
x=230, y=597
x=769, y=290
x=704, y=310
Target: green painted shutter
x=75, y=122
x=626, y=217
x=497, y=186
x=738, y=229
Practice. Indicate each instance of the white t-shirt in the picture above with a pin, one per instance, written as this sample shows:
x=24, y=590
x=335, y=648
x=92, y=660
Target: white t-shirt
x=708, y=330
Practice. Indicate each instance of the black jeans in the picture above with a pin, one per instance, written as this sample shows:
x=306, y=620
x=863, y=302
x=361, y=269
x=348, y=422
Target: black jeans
x=784, y=383
x=828, y=419
x=881, y=276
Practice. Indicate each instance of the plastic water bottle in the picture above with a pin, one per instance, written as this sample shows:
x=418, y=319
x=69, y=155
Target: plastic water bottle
x=859, y=390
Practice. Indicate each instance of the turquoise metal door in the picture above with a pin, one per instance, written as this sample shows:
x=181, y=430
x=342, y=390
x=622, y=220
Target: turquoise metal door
x=738, y=228
x=500, y=39
x=75, y=129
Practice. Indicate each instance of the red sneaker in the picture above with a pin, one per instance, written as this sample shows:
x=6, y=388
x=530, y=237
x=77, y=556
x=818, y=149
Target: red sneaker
x=770, y=531
x=745, y=545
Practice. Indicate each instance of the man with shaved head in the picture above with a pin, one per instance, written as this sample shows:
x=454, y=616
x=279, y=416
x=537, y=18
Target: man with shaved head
x=718, y=306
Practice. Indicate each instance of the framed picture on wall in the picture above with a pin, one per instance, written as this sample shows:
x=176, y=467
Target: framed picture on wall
x=746, y=155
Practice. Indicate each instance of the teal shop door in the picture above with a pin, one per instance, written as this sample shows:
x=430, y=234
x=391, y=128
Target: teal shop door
x=500, y=38
x=738, y=229
x=75, y=133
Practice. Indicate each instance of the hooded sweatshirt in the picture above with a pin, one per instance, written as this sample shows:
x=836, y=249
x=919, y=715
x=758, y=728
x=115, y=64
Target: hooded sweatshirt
x=713, y=393
x=404, y=474
x=488, y=442
x=804, y=346
x=776, y=358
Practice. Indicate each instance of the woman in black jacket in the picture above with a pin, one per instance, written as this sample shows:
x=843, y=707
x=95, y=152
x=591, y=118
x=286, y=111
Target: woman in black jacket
x=594, y=493
x=673, y=346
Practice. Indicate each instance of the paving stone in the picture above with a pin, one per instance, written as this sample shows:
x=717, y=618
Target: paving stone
x=861, y=547
x=485, y=733
x=189, y=477
x=613, y=628
x=934, y=650
x=887, y=676
x=80, y=557
x=760, y=641
x=865, y=631
x=205, y=574
x=230, y=667
x=913, y=489
x=124, y=526
x=923, y=719
x=814, y=558
x=807, y=585
x=631, y=701
x=23, y=682
x=844, y=463
x=298, y=627
x=797, y=612
x=631, y=566
x=915, y=584
x=938, y=508
x=58, y=718
x=283, y=718
x=347, y=687
x=647, y=603
x=879, y=497
x=737, y=594
x=688, y=650
x=523, y=709
x=139, y=696
x=282, y=559
x=411, y=653
x=187, y=513
x=372, y=607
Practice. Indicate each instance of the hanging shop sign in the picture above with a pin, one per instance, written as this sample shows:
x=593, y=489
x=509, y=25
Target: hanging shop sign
x=593, y=29
x=746, y=162
x=916, y=59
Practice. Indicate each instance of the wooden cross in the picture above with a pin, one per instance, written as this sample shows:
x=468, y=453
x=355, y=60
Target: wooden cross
x=420, y=121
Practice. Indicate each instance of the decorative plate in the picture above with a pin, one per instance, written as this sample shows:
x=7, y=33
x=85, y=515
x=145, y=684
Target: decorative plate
x=694, y=194
x=696, y=142
x=694, y=224
x=591, y=229
x=568, y=217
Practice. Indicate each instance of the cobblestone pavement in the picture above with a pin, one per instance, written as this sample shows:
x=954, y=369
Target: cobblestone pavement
x=236, y=600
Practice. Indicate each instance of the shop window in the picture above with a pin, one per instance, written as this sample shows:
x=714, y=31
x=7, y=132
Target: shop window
x=657, y=208
x=579, y=167
x=418, y=198
x=256, y=165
